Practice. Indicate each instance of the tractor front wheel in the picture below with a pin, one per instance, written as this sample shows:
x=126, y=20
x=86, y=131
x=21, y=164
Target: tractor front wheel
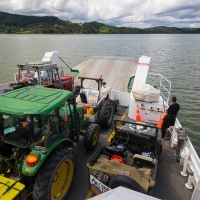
x=92, y=136
x=54, y=179
x=107, y=114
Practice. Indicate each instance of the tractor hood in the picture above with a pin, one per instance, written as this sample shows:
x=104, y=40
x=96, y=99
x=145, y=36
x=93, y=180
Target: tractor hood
x=32, y=100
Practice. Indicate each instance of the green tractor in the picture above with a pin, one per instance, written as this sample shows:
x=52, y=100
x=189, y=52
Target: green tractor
x=38, y=126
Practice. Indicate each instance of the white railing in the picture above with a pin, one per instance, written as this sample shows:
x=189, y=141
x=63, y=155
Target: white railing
x=162, y=88
x=192, y=163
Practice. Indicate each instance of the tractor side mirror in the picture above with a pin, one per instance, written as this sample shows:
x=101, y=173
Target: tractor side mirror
x=83, y=97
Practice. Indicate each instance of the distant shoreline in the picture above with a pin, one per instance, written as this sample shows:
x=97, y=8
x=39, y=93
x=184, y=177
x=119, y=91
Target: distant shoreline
x=22, y=24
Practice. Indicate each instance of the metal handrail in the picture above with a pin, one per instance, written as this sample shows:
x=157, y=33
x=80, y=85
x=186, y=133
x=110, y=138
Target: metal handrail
x=161, y=86
x=130, y=83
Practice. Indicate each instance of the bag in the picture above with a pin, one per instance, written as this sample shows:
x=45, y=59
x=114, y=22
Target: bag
x=145, y=92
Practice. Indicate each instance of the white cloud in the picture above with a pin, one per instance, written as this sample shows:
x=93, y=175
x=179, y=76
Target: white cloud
x=135, y=13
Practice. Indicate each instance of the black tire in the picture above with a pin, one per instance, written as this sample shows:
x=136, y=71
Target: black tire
x=107, y=114
x=116, y=105
x=125, y=181
x=92, y=136
x=51, y=174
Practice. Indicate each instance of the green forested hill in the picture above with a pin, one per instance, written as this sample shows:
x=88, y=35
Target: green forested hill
x=22, y=24
x=172, y=30
x=12, y=23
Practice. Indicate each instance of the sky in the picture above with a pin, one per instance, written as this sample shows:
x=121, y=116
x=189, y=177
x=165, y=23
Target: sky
x=129, y=13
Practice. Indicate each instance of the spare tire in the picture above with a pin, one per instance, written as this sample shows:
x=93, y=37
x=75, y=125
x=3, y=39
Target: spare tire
x=125, y=181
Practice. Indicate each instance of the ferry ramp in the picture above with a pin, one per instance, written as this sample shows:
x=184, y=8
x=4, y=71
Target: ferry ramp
x=113, y=69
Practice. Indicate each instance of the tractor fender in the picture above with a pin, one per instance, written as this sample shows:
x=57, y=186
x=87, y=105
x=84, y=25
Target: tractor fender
x=42, y=154
x=100, y=102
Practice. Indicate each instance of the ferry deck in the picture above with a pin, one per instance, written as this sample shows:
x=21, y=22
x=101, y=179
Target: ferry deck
x=170, y=184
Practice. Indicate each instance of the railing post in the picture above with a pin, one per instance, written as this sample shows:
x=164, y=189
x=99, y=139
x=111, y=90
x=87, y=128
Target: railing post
x=185, y=154
x=196, y=193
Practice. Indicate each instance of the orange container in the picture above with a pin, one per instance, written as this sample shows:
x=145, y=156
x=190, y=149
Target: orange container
x=117, y=158
x=85, y=110
x=159, y=125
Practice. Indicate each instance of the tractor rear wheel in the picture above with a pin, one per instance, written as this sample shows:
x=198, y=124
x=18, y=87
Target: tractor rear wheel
x=107, y=114
x=92, y=136
x=125, y=181
x=54, y=179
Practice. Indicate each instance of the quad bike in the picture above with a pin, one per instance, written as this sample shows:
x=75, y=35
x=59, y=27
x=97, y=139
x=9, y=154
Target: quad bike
x=38, y=127
x=130, y=160
x=97, y=102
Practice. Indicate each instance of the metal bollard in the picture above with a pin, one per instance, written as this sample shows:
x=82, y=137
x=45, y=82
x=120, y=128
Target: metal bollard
x=189, y=183
x=181, y=135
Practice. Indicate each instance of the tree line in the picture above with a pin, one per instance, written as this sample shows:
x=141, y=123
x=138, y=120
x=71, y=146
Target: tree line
x=22, y=24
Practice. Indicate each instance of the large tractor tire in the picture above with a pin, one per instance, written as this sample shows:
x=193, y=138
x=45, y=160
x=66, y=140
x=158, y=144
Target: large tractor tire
x=107, y=114
x=92, y=136
x=125, y=181
x=54, y=179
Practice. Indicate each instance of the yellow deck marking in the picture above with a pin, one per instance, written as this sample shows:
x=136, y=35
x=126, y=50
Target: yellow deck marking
x=89, y=194
x=113, y=132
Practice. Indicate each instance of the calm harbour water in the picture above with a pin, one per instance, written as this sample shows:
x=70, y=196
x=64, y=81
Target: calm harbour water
x=174, y=56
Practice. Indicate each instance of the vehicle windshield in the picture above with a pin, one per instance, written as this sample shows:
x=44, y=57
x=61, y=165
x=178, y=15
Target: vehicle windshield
x=32, y=76
x=138, y=128
x=38, y=130
x=14, y=131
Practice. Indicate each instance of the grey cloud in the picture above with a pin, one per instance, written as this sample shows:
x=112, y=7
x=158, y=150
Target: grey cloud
x=135, y=13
